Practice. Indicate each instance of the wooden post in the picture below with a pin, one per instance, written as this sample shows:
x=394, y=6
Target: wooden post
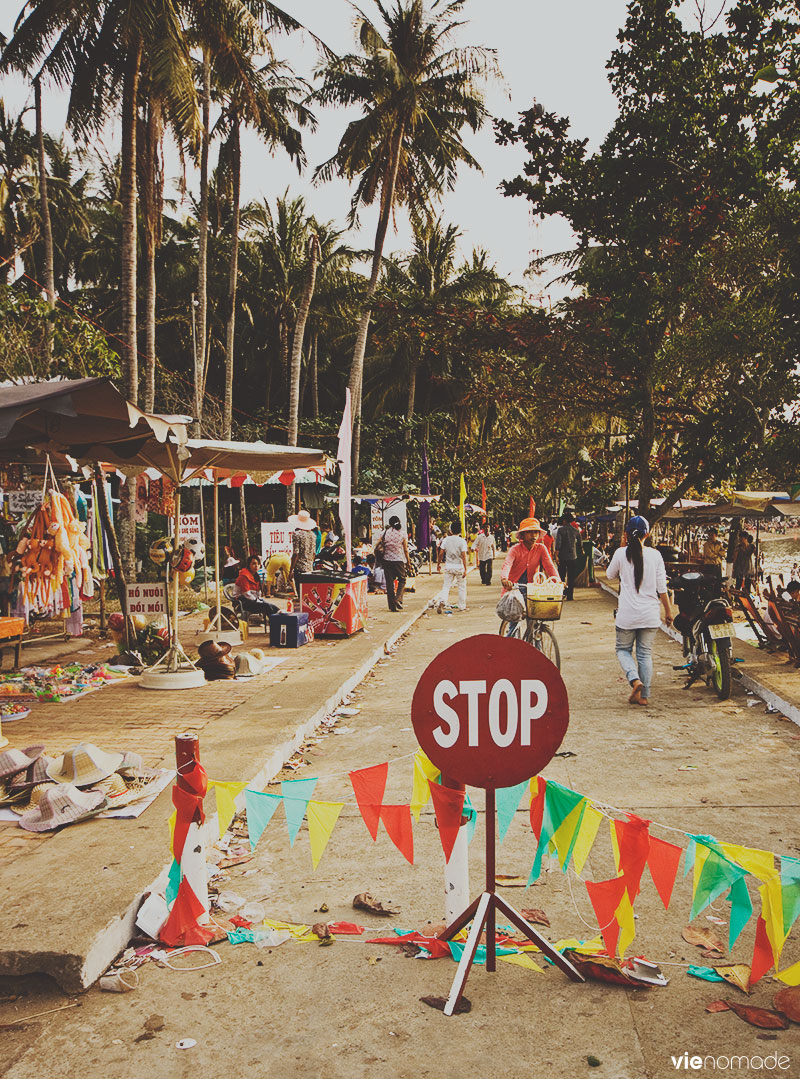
x=113, y=543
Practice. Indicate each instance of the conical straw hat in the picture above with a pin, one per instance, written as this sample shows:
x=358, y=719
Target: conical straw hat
x=60, y=804
x=84, y=765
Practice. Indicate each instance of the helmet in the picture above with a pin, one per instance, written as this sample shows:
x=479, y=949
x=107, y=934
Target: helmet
x=197, y=547
x=160, y=549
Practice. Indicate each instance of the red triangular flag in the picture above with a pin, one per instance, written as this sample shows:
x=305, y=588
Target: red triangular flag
x=605, y=897
x=633, y=839
x=763, y=958
x=369, y=785
x=182, y=928
x=537, y=806
x=532, y=508
x=238, y=479
x=663, y=860
x=287, y=477
x=448, y=804
x=188, y=807
x=397, y=822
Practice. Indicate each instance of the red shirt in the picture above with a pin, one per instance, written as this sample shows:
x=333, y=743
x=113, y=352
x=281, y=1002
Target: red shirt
x=519, y=560
x=246, y=582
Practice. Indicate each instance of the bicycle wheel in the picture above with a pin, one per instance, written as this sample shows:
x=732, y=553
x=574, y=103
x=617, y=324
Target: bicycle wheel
x=504, y=630
x=543, y=638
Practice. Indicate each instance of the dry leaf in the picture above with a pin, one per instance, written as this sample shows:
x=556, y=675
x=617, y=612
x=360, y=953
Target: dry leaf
x=787, y=1002
x=364, y=901
x=373, y=960
x=759, y=1017
x=535, y=916
x=463, y=1005
x=703, y=937
x=737, y=974
x=717, y=1006
x=433, y=929
x=712, y=953
x=321, y=929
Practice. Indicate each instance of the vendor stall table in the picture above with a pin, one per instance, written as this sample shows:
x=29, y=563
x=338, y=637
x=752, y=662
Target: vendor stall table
x=336, y=606
x=11, y=630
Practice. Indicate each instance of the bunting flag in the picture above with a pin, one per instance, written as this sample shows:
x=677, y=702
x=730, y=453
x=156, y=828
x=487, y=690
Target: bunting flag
x=182, y=929
x=663, y=861
x=462, y=500
x=741, y=910
x=790, y=881
x=469, y=812
x=397, y=822
x=762, y=960
x=559, y=802
x=587, y=833
x=420, y=791
x=716, y=875
x=522, y=960
x=322, y=818
x=173, y=883
x=566, y=835
x=761, y=863
x=626, y=922
x=369, y=787
x=296, y=796
x=226, y=794
x=448, y=805
x=507, y=800
x=606, y=897
x=538, y=792
x=632, y=849
x=772, y=912
x=790, y=976
x=261, y=808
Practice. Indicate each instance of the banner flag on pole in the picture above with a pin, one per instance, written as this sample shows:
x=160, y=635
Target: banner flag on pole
x=462, y=498
x=296, y=796
x=483, y=499
x=322, y=818
x=344, y=457
x=424, y=522
x=369, y=786
x=260, y=811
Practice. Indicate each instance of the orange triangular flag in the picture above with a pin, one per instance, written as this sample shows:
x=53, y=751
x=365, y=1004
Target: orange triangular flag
x=663, y=861
x=605, y=897
x=183, y=928
x=369, y=785
x=448, y=804
x=633, y=841
x=763, y=958
x=397, y=822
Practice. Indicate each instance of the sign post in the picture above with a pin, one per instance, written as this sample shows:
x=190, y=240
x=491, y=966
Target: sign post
x=491, y=712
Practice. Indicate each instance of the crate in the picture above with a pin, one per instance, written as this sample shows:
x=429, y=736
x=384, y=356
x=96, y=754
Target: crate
x=544, y=601
x=289, y=630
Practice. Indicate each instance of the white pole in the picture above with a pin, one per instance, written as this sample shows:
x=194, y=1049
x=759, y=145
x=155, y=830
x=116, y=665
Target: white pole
x=456, y=878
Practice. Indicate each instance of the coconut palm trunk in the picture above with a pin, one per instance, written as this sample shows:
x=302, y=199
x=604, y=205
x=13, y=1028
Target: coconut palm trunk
x=315, y=377
x=359, y=351
x=152, y=198
x=202, y=249
x=230, y=329
x=44, y=203
x=412, y=393
x=297, y=341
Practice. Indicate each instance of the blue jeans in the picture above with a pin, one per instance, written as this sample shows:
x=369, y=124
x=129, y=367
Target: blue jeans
x=642, y=666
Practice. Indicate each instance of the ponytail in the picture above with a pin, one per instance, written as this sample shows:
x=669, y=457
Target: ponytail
x=634, y=554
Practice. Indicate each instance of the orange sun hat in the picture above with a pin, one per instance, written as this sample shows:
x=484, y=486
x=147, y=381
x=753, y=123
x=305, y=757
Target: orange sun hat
x=529, y=524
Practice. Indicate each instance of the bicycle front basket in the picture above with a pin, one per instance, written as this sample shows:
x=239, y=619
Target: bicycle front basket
x=544, y=600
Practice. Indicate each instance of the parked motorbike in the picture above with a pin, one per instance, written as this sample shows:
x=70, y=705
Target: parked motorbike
x=706, y=624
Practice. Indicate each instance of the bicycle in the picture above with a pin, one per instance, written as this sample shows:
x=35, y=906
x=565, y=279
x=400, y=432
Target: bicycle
x=537, y=632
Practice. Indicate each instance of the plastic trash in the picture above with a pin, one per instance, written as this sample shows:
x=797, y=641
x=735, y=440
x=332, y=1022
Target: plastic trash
x=270, y=938
x=228, y=902
x=253, y=912
x=152, y=915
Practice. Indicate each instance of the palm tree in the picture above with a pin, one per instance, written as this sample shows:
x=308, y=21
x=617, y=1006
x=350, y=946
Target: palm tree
x=417, y=93
x=44, y=204
x=17, y=163
x=272, y=101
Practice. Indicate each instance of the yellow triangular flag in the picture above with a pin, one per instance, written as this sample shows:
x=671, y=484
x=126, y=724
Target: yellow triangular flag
x=700, y=858
x=772, y=913
x=627, y=926
x=614, y=845
x=790, y=976
x=226, y=802
x=586, y=837
x=172, y=821
x=321, y=817
x=566, y=830
x=761, y=863
x=522, y=960
x=420, y=791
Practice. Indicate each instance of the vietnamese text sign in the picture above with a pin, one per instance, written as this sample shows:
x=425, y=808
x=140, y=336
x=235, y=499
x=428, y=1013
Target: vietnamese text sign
x=381, y=511
x=24, y=501
x=147, y=599
x=275, y=539
x=490, y=711
x=189, y=527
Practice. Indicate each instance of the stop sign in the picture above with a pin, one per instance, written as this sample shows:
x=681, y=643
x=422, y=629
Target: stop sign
x=490, y=711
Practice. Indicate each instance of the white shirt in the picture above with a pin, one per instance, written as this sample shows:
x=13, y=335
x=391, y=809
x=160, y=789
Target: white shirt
x=642, y=609
x=484, y=546
x=454, y=547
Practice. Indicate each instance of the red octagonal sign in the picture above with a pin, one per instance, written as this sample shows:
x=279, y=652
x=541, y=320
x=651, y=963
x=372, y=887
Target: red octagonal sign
x=490, y=711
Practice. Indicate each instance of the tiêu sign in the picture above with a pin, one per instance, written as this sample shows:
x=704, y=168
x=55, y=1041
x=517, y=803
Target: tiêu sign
x=490, y=711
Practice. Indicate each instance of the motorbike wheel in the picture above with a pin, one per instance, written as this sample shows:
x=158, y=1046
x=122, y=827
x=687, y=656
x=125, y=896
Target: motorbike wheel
x=720, y=670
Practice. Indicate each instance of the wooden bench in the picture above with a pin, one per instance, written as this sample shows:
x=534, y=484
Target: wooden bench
x=11, y=630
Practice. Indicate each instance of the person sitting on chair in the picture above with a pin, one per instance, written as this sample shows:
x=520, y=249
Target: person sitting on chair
x=249, y=585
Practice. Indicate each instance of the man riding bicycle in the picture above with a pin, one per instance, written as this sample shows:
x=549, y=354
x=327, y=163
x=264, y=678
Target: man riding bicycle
x=527, y=556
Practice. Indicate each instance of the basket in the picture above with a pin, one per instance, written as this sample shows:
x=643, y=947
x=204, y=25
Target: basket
x=544, y=600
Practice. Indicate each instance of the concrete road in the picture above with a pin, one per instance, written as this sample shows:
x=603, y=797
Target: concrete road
x=352, y=1009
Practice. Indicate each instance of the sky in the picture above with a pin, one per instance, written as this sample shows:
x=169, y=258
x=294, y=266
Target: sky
x=551, y=51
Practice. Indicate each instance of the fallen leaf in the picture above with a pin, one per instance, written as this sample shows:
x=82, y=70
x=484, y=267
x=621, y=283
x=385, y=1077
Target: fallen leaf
x=433, y=929
x=154, y=1023
x=321, y=929
x=787, y=1002
x=717, y=1006
x=712, y=953
x=703, y=937
x=535, y=916
x=738, y=974
x=462, y=1007
x=759, y=1017
x=364, y=901
x=373, y=960
x=187, y=996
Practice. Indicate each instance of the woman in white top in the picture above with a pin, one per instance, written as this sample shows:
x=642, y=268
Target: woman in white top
x=453, y=551
x=642, y=596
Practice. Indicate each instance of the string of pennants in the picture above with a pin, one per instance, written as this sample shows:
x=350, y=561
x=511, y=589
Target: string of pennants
x=566, y=825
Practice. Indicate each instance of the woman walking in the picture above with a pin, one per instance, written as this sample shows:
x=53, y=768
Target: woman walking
x=393, y=548
x=642, y=595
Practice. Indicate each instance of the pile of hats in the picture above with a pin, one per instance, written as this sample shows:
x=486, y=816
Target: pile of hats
x=214, y=662
x=50, y=792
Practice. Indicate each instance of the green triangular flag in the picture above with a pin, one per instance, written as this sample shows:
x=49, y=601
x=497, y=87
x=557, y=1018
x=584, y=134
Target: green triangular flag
x=718, y=875
x=790, y=882
x=296, y=796
x=173, y=883
x=558, y=804
x=260, y=808
x=741, y=910
x=507, y=801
